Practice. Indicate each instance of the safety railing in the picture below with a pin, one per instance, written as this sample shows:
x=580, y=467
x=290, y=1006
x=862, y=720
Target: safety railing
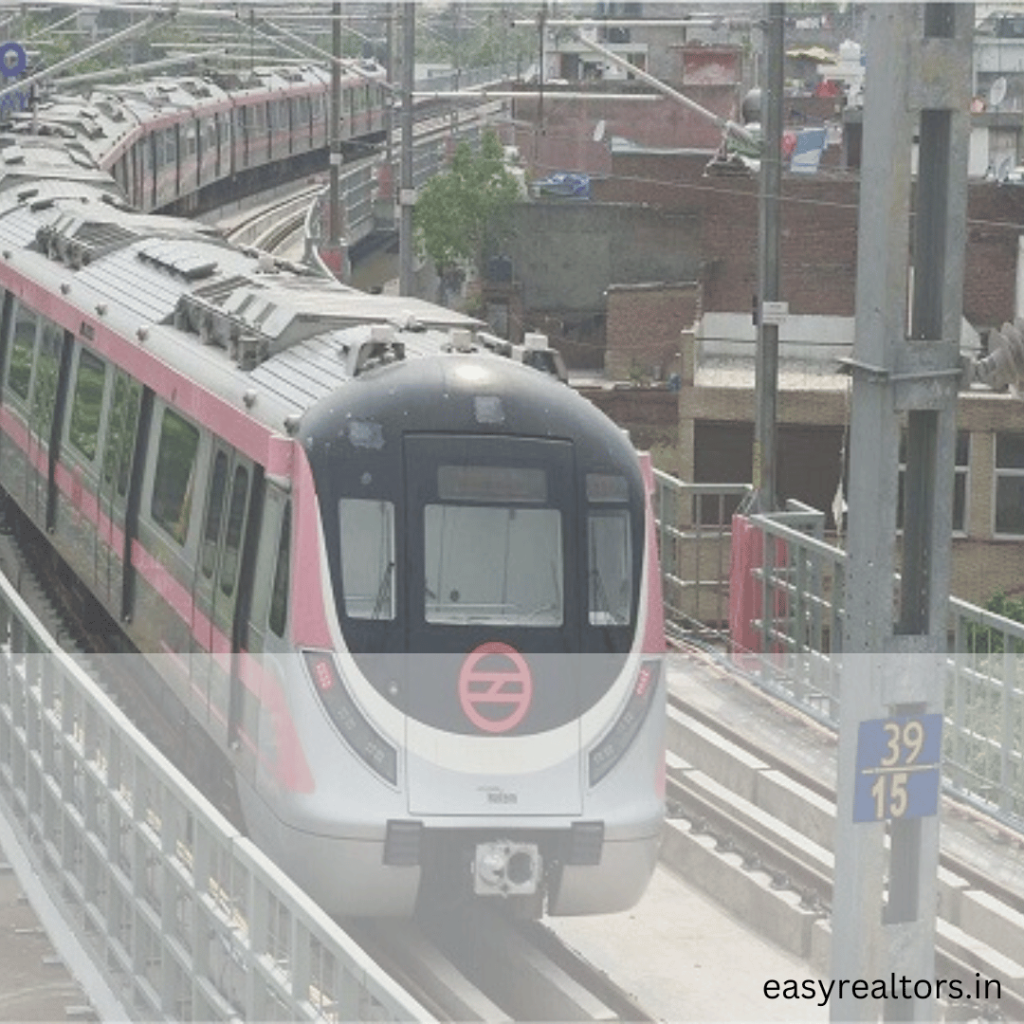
x=984, y=754
x=694, y=524
x=182, y=916
x=787, y=600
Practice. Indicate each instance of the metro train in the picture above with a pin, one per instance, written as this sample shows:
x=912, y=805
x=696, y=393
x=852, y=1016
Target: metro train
x=175, y=141
x=401, y=587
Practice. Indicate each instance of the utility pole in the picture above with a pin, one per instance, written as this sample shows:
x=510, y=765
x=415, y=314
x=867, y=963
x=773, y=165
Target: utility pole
x=768, y=310
x=334, y=246
x=389, y=69
x=893, y=665
x=407, y=191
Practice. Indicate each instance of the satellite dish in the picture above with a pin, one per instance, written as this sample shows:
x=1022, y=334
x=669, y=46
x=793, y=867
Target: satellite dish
x=997, y=92
x=1003, y=169
x=599, y=130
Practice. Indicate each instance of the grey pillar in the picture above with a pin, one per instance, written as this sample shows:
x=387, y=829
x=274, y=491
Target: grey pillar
x=905, y=370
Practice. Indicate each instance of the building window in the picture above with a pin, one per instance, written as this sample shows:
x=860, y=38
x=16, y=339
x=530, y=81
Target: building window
x=1009, y=503
x=963, y=459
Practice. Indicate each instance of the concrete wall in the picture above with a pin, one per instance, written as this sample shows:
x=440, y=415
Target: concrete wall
x=819, y=234
x=566, y=253
x=643, y=329
x=563, y=138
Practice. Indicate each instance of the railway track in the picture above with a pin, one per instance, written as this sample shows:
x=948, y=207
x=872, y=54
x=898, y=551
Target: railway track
x=771, y=815
x=473, y=963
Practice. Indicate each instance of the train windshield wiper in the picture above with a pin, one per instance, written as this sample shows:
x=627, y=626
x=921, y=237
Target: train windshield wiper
x=382, y=603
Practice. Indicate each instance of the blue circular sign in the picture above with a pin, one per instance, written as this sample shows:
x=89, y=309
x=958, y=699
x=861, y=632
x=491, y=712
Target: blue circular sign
x=13, y=59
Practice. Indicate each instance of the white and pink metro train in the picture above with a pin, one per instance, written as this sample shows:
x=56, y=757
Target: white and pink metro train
x=402, y=586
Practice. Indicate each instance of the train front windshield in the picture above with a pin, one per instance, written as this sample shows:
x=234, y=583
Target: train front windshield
x=477, y=539
x=492, y=548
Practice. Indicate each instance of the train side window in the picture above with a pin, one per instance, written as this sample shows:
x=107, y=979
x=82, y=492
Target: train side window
x=121, y=427
x=214, y=513
x=44, y=386
x=235, y=528
x=610, y=567
x=84, y=428
x=279, y=594
x=367, y=557
x=6, y=305
x=174, y=479
x=23, y=344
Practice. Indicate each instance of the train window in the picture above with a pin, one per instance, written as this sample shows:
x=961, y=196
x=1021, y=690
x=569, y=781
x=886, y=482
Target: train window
x=607, y=487
x=121, y=428
x=44, y=388
x=279, y=593
x=84, y=428
x=367, y=557
x=214, y=514
x=233, y=534
x=190, y=140
x=610, y=567
x=19, y=373
x=491, y=483
x=171, y=505
x=495, y=565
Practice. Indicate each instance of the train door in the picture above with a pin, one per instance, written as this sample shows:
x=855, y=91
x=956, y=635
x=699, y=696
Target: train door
x=491, y=620
x=264, y=634
x=217, y=581
x=81, y=519
x=43, y=423
x=20, y=353
x=118, y=456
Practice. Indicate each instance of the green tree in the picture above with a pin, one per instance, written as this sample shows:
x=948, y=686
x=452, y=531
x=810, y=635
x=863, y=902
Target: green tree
x=988, y=640
x=463, y=215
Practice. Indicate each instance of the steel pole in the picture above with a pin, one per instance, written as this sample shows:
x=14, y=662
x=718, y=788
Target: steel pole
x=334, y=229
x=766, y=375
x=407, y=192
x=905, y=377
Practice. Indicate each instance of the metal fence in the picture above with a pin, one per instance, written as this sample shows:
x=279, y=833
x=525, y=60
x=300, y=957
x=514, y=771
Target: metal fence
x=182, y=916
x=796, y=622
x=695, y=543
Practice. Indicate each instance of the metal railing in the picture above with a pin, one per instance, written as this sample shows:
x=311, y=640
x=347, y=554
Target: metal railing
x=181, y=915
x=790, y=642
x=694, y=543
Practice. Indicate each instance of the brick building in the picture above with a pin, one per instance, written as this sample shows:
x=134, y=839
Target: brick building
x=716, y=401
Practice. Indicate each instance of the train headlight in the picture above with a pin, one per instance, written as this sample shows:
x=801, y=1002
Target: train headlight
x=365, y=741
x=616, y=741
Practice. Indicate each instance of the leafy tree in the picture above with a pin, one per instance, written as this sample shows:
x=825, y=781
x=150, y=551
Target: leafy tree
x=987, y=640
x=463, y=215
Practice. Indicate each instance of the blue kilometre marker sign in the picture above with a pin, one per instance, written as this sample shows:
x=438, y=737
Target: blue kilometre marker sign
x=898, y=768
